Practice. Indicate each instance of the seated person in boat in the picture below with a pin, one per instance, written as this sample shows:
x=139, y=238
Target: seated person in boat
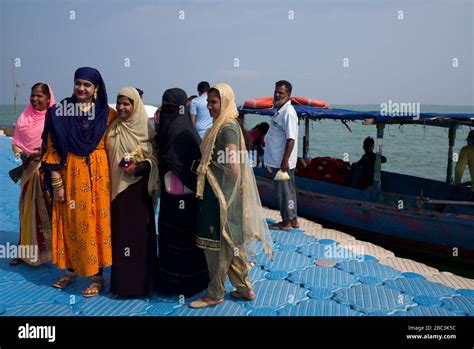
x=258, y=139
x=362, y=172
x=466, y=158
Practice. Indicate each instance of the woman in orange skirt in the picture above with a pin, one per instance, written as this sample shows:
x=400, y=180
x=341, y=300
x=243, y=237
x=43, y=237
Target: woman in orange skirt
x=76, y=156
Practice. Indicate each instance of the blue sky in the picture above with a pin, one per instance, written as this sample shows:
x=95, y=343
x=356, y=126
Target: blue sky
x=409, y=60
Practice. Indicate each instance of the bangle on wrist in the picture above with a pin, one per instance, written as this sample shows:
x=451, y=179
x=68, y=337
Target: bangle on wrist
x=57, y=183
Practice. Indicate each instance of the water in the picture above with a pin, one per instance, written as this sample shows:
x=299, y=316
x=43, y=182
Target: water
x=7, y=118
x=411, y=149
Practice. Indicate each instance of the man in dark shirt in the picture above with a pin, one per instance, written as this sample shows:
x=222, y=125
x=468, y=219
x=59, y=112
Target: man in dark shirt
x=363, y=170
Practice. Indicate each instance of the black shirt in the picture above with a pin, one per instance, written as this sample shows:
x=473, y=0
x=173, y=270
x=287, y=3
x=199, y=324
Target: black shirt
x=363, y=170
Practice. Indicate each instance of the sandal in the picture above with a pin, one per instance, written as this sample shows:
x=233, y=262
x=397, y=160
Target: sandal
x=94, y=287
x=65, y=280
x=204, y=302
x=249, y=295
x=16, y=261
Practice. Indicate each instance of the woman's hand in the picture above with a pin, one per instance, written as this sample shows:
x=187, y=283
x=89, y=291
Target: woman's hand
x=36, y=157
x=59, y=195
x=17, y=151
x=59, y=192
x=130, y=170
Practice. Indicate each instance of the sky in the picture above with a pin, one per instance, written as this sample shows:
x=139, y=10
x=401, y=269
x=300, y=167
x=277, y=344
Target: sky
x=339, y=51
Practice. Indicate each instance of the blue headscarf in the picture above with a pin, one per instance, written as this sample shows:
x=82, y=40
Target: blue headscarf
x=77, y=133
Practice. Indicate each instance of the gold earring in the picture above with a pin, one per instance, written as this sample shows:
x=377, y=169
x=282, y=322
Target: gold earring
x=95, y=95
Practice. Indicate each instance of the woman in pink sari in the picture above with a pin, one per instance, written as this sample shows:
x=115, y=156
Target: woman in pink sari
x=35, y=224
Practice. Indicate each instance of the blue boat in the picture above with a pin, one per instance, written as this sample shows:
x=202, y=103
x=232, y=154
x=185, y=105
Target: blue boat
x=433, y=216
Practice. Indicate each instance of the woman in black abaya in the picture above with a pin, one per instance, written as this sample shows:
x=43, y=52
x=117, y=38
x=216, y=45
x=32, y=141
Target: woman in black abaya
x=183, y=268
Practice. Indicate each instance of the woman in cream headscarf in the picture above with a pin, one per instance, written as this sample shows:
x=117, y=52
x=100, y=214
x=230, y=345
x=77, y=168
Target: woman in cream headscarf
x=133, y=191
x=231, y=220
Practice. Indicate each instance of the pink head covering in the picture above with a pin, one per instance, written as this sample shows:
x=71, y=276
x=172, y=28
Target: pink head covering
x=29, y=127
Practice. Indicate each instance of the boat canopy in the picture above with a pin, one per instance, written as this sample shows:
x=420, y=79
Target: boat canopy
x=313, y=113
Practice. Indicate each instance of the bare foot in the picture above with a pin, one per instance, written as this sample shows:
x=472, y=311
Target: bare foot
x=295, y=223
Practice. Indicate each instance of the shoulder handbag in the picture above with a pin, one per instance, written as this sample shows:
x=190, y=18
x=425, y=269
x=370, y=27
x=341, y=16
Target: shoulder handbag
x=174, y=186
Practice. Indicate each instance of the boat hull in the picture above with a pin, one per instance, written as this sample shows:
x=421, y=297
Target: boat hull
x=445, y=234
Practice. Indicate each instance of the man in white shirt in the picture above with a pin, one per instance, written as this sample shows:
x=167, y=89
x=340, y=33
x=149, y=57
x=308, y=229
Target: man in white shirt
x=198, y=109
x=281, y=153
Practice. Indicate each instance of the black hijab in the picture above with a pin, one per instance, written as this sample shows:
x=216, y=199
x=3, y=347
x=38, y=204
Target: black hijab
x=178, y=140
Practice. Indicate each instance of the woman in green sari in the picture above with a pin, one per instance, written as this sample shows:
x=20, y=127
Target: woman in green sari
x=231, y=220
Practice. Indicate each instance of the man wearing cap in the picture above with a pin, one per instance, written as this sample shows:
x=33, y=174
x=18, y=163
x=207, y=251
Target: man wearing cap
x=466, y=157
